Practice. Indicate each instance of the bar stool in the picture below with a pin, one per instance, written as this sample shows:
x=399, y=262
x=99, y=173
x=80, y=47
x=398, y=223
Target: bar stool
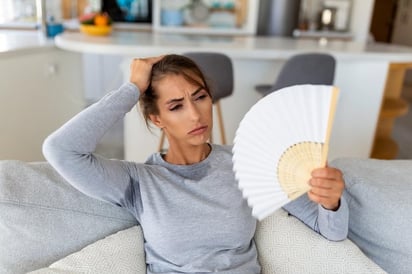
x=300, y=69
x=218, y=70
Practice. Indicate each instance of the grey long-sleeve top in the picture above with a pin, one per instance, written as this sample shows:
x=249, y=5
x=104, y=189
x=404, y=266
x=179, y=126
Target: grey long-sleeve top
x=193, y=217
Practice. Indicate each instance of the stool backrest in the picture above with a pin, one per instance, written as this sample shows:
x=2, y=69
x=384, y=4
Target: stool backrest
x=306, y=68
x=218, y=70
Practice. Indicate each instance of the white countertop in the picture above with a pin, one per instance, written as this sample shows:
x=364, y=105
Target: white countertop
x=16, y=42
x=241, y=47
x=145, y=43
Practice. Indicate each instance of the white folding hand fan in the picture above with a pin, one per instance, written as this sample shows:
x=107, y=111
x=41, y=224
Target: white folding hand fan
x=280, y=140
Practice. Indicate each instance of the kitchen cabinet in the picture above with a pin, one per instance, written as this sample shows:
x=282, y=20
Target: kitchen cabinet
x=101, y=74
x=40, y=89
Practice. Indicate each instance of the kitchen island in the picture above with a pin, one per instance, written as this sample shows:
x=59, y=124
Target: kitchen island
x=360, y=75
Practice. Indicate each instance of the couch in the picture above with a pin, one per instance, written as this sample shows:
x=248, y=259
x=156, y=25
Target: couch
x=46, y=226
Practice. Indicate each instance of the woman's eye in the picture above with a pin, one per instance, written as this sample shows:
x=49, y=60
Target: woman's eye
x=175, y=107
x=201, y=97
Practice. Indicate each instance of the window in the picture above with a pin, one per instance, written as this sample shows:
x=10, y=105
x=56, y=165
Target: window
x=23, y=13
x=17, y=11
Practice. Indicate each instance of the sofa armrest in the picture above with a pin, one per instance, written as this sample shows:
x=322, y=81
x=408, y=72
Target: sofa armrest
x=286, y=245
x=379, y=194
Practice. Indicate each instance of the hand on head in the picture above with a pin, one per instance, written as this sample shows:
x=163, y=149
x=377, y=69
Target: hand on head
x=140, y=70
x=327, y=186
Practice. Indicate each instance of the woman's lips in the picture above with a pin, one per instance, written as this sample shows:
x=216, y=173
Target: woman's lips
x=198, y=130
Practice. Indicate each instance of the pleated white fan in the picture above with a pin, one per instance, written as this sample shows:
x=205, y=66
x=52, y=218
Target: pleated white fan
x=280, y=140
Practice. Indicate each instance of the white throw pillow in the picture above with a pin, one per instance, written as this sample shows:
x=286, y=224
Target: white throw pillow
x=119, y=253
x=286, y=245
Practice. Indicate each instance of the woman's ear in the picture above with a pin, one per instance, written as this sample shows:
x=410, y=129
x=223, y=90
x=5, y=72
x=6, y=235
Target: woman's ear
x=156, y=120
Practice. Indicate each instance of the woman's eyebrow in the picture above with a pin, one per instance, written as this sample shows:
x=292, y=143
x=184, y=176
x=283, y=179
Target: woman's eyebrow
x=175, y=100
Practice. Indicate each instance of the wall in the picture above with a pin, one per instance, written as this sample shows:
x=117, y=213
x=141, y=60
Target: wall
x=361, y=18
x=402, y=33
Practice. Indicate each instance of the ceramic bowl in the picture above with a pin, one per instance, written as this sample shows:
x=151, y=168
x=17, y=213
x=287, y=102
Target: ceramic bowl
x=96, y=30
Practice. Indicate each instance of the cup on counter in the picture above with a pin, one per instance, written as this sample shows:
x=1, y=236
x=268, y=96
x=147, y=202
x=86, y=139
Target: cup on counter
x=53, y=28
x=172, y=17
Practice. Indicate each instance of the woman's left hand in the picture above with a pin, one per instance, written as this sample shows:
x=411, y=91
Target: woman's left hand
x=327, y=186
x=140, y=70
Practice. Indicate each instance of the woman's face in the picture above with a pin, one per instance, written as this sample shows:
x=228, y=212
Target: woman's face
x=185, y=111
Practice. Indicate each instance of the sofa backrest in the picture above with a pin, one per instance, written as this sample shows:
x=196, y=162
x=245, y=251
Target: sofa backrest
x=43, y=219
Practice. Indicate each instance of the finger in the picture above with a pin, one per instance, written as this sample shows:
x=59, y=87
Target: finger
x=140, y=70
x=327, y=172
x=148, y=60
x=332, y=192
x=328, y=202
x=316, y=198
x=326, y=183
x=154, y=60
x=323, y=195
x=325, y=192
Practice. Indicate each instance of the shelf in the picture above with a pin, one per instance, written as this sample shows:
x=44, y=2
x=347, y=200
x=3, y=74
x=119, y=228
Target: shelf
x=244, y=20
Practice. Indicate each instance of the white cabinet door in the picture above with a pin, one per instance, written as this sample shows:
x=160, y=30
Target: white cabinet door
x=39, y=91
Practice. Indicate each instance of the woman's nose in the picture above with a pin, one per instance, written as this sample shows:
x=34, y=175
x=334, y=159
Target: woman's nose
x=194, y=112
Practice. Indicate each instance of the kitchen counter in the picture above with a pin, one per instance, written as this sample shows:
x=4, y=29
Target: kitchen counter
x=240, y=47
x=360, y=75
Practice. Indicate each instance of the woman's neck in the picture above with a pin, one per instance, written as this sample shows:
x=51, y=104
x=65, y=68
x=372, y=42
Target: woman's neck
x=188, y=155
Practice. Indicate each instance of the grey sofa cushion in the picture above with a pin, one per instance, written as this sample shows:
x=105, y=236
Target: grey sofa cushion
x=43, y=218
x=379, y=194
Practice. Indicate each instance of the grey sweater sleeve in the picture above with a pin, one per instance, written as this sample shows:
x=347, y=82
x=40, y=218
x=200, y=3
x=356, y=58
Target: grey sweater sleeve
x=333, y=225
x=70, y=149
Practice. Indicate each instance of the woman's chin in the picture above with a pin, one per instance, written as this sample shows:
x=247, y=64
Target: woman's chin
x=200, y=140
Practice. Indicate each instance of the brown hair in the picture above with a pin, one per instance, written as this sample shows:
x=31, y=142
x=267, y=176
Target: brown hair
x=170, y=64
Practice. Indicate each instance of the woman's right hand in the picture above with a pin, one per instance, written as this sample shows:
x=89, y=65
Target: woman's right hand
x=140, y=70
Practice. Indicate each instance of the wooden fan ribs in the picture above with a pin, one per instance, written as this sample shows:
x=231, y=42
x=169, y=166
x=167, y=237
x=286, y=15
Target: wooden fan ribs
x=295, y=166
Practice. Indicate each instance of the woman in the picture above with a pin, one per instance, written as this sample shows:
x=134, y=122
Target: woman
x=192, y=214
